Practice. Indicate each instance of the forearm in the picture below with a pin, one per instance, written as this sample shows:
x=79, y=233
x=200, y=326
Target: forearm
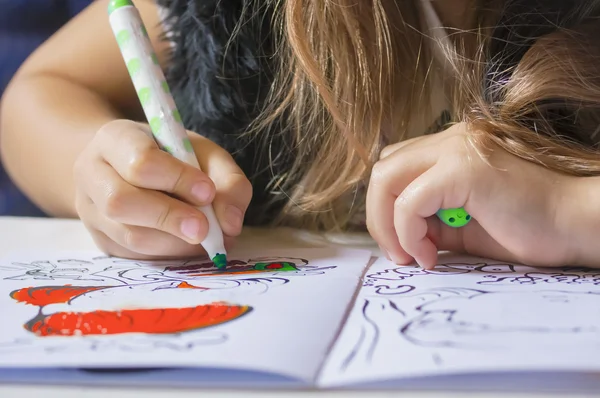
x=579, y=219
x=45, y=122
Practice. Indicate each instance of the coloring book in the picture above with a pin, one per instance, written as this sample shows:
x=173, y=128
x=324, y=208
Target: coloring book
x=311, y=318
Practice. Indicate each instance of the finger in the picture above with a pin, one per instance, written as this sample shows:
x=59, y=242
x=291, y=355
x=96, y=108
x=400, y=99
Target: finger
x=138, y=160
x=110, y=247
x=233, y=190
x=388, y=180
x=443, y=237
x=145, y=241
x=231, y=202
x=421, y=199
x=126, y=204
x=384, y=253
x=472, y=239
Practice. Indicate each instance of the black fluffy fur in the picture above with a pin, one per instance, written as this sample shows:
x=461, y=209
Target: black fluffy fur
x=220, y=85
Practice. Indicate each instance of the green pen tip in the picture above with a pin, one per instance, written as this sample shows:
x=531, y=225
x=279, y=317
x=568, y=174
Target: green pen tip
x=220, y=261
x=114, y=4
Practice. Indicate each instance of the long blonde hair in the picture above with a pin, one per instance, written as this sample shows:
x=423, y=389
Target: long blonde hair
x=354, y=75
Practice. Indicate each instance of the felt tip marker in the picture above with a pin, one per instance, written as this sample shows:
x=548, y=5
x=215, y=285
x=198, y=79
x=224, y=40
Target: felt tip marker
x=159, y=106
x=454, y=217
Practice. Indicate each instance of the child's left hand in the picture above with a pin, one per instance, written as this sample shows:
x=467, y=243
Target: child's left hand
x=516, y=205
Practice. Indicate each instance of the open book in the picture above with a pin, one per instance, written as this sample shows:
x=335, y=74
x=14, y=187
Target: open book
x=315, y=318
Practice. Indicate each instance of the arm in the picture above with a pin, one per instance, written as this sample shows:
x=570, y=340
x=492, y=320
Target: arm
x=71, y=86
x=580, y=215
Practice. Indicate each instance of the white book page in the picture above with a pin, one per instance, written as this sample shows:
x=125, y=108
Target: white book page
x=272, y=311
x=467, y=316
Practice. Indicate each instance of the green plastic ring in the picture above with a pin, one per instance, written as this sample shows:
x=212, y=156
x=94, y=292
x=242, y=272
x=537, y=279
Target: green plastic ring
x=455, y=218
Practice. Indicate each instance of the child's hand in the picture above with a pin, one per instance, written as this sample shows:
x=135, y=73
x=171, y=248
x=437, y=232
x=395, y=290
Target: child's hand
x=516, y=205
x=140, y=202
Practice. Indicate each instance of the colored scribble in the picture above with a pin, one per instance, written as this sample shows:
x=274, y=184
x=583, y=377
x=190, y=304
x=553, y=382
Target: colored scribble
x=185, y=285
x=46, y=295
x=149, y=321
x=220, y=259
x=234, y=268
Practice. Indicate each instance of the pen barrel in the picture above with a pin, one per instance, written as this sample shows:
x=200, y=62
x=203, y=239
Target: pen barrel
x=157, y=102
x=150, y=84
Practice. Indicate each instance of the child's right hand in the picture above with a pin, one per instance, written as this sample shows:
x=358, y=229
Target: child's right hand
x=140, y=202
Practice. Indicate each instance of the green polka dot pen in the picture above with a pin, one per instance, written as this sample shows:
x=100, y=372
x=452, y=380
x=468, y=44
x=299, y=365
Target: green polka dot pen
x=158, y=104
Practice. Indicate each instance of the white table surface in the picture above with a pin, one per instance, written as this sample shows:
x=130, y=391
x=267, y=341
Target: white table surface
x=43, y=234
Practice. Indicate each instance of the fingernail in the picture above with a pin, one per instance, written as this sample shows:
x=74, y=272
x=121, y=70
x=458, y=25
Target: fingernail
x=202, y=191
x=190, y=227
x=234, y=217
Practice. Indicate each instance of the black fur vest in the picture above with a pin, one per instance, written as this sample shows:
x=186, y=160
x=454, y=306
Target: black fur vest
x=220, y=85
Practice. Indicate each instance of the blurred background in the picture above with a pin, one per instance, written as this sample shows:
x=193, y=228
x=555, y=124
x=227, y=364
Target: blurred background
x=24, y=25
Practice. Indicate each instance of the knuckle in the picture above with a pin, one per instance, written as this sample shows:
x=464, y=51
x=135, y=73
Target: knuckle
x=139, y=163
x=370, y=225
x=378, y=174
x=78, y=176
x=180, y=178
x=371, y=222
x=115, y=128
x=82, y=165
x=164, y=216
x=115, y=203
x=78, y=165
x=79, y=204
x=104, y=244
x=246, y=189
x=401, y=203
x=385, y=152
x=112, y=131
x=134, y=240
x=238, y=186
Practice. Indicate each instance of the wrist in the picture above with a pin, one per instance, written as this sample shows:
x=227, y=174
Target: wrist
x=578, y=220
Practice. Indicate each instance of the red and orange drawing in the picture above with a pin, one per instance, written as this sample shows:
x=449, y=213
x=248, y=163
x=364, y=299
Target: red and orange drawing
x=200, y=276
x=150, y=321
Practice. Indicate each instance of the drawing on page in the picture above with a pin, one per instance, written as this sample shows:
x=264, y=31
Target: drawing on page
x=465, y=319
x=125, y=302
x=372, y=325
x=67, y=269
x=122, y=269
x=450, y=268
x=565, y=276
x=117, y=321
x=484, y=320
x=490, y=313
x=380, y=321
